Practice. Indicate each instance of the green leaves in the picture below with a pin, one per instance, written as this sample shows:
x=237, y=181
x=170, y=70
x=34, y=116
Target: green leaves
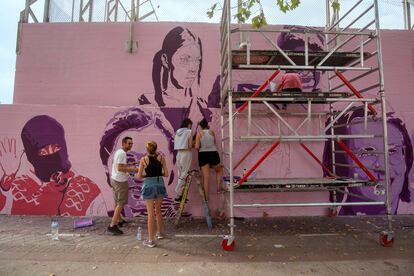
x=243, y=15
x=335, y=5
x=285, y=6
x=258, y=21
x=210, y=12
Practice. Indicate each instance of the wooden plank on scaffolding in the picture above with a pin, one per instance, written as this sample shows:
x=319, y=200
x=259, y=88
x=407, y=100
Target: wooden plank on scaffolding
x=300, y=184
x=273, y=57
x=295, y=97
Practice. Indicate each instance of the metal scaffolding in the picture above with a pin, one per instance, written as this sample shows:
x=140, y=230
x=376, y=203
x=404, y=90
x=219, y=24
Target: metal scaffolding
x=349, y=55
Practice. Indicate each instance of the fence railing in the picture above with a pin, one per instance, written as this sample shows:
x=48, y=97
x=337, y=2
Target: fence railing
x=395, y=14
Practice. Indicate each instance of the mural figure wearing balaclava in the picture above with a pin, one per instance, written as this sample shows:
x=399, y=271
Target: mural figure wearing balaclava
x=51, y=187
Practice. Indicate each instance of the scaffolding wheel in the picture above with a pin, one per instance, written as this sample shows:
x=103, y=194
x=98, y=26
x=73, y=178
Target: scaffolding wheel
x=228, y=244
x=386, y=239
x=332, y=213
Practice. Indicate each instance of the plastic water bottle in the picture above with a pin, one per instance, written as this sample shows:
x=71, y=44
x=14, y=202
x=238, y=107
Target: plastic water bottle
x=244, y=172
x=55, y=230
x=139, y=233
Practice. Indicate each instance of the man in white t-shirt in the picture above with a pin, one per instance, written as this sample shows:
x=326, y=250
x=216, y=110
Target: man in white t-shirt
x=119, y=183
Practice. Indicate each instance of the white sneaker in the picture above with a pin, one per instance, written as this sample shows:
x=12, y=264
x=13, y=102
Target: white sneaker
x=148, y=243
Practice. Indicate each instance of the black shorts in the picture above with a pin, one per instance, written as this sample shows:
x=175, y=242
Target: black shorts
x=211, y=158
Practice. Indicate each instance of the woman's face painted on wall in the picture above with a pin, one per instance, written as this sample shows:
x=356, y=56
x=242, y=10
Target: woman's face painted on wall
x=369, y=153
x=186, y=62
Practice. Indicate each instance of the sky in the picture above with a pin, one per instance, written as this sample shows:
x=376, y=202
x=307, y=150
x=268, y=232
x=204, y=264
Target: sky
x=391, y=17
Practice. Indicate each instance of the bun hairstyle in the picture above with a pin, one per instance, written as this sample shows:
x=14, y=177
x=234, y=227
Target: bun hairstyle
x=185, y=123
x=203, y=124
x=151, y=147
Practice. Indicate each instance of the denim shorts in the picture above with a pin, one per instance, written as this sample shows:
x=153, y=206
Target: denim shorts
x=153, y=188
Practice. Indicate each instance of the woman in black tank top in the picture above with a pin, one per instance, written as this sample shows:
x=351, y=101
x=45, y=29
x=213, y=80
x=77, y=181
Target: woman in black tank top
x=154, y=166
x=153, y=189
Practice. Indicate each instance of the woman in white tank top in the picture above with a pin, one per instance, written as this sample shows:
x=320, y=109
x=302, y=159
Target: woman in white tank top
x=208, y=156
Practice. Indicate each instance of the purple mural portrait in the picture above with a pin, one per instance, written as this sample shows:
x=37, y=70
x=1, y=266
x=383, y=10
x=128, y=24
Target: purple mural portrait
x=51, y=186
x=369, y=152
x=45, y=146
x=139, y=125
x=176, y=76
x=295, y=42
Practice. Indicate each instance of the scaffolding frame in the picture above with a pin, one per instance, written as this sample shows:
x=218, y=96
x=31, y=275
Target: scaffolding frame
x=333, y=60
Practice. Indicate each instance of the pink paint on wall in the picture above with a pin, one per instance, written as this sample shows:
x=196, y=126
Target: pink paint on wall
x=81, y=76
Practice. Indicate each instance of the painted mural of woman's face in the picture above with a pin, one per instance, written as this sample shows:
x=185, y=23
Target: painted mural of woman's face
x=366, y=150
x=186, y=63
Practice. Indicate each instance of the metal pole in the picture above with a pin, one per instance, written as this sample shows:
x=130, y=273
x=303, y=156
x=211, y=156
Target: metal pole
x=81, y=11
x=132, y=10
x=332, y=142
x=328, y=14
x=73, y=10
x=90, y=10
x=26, y=12
x=137, y=10
x=354, y=90
x=106, y=11
x=262, y=205
x=260, y=89
x=249, y=117
x=407, y=15
x=46, y=11
x=230, y=103
x=239, y=6
x=260, y=161
x=356, y=160
x=116, y=10
x=316, y=159
x=131, y=42
x=19, y=34
x=384, y=117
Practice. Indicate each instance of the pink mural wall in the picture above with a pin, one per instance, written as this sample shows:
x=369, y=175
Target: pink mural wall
x=77, y=93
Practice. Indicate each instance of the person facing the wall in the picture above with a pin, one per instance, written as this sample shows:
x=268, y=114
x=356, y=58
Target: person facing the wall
x=119, y=183
x=208, y=156
x=153, y=190
x=290, y=81
x=183, y=142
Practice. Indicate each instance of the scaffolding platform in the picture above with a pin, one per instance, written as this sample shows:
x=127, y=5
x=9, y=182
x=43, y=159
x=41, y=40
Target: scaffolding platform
x=293, y=97
x=274, y=57
x=344, y=59
x=300, y=184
